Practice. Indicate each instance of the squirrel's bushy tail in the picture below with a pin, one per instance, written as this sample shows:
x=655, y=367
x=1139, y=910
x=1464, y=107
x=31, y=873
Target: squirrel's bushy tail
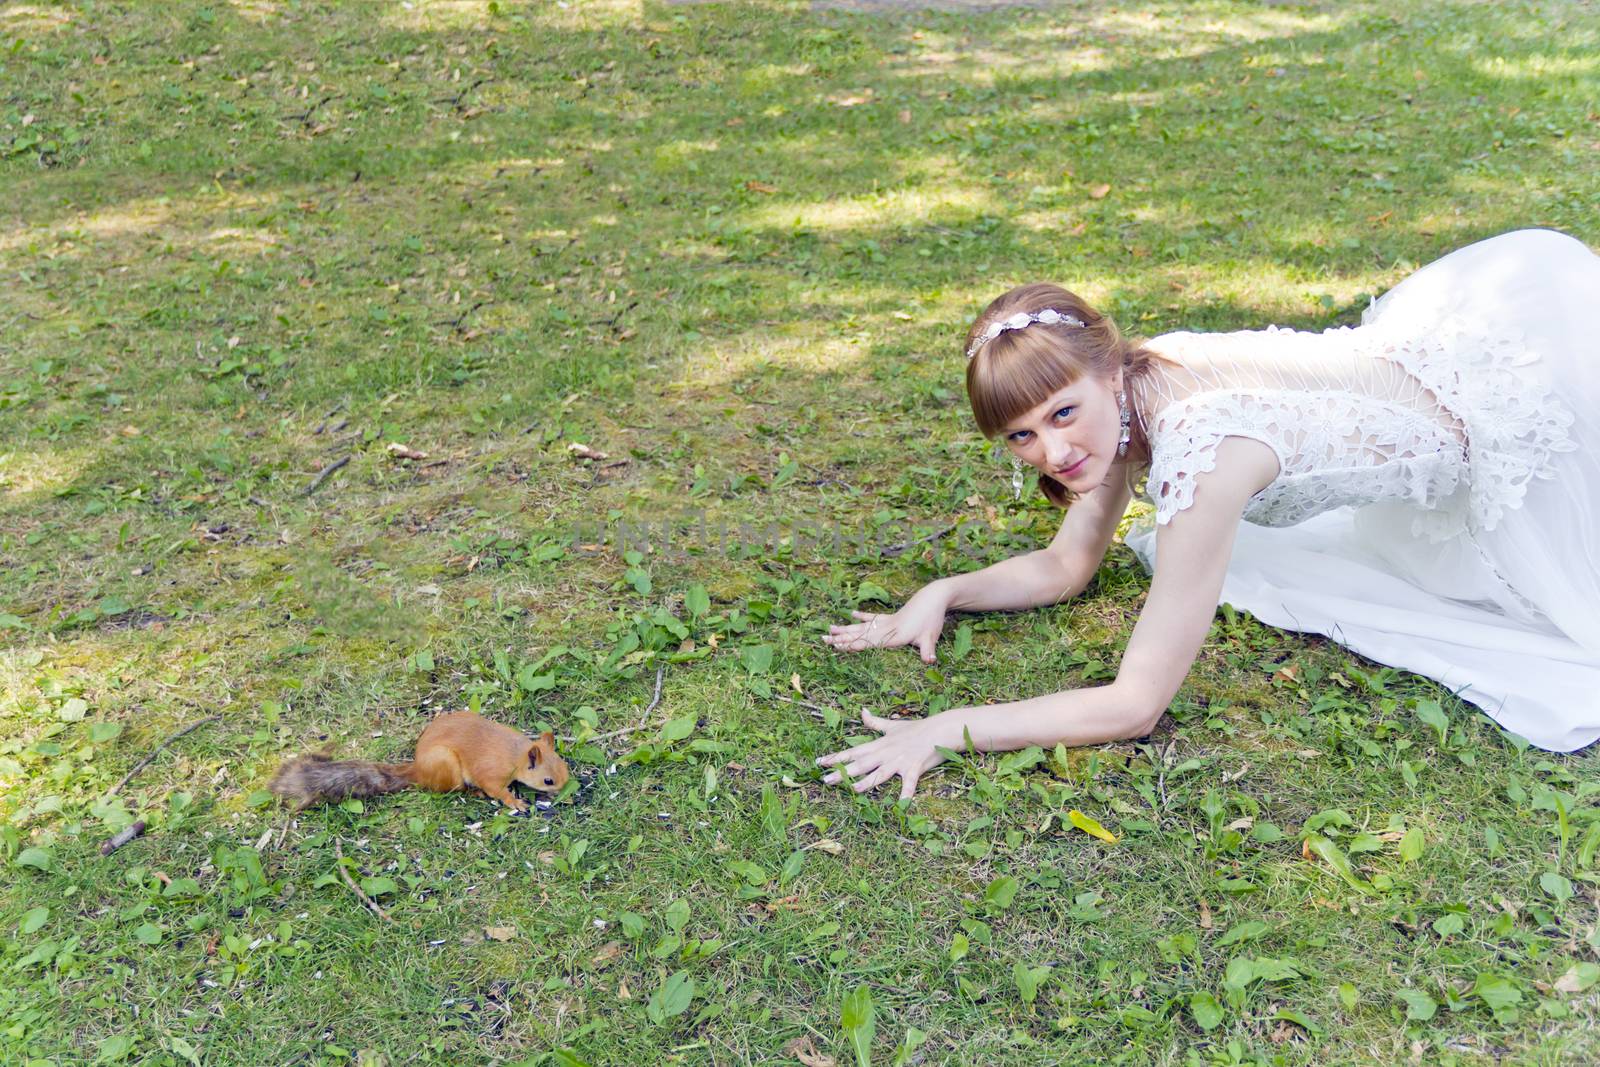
x=316, y=779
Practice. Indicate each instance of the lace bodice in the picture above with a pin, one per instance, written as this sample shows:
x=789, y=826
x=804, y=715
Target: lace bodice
x=1454, y=419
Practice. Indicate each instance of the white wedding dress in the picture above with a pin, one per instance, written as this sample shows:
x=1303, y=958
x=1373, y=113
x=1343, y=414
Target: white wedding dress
x=1438, y=504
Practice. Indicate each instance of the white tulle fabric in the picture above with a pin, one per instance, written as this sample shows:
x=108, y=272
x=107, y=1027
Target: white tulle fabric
x=1438, y=502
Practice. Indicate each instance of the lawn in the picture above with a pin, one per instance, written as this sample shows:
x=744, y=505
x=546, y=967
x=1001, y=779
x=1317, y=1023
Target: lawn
x=362, y=361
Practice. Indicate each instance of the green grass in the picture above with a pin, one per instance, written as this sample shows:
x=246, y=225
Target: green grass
x=242, y=241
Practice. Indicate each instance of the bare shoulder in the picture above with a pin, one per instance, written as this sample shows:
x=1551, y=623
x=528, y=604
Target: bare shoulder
x=1244, y=467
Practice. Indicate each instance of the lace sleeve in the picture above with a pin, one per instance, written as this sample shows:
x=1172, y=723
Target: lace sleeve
x=1176, y=460
x=1184, y=440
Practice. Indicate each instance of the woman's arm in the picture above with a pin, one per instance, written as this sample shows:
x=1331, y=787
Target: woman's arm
x=1052, y=574
x=1047, y=576
x=1192, y=553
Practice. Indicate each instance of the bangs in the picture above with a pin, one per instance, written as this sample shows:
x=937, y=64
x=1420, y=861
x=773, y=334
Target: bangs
x=1021, y=369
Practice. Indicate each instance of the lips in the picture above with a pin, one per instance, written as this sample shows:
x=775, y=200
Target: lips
x=1074, y=469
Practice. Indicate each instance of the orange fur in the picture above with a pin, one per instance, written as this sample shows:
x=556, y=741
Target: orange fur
x=457, y=750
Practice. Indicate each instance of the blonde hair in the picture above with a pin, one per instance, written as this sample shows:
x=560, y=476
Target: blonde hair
x=1021, y=369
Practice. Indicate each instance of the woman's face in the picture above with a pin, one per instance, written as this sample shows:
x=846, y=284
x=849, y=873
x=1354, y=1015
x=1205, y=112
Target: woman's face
x=1072, y=436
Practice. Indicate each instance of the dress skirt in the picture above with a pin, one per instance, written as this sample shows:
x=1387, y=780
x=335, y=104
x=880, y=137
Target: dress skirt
x=1506, y=612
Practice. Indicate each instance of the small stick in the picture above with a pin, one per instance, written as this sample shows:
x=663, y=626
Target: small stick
x=338, y=852
x=325, y=474
x=815, y=709
x=142, y=764
x=122, y=838
x=895, y=550
x=643, y=719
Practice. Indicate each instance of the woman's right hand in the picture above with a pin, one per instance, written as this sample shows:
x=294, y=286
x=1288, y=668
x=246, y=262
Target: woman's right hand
x=918, y=623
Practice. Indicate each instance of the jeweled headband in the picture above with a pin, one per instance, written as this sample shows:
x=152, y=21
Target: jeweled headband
x=1049, y=316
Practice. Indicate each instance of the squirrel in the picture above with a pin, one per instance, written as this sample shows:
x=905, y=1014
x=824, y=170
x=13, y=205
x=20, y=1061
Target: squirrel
x=457, y=750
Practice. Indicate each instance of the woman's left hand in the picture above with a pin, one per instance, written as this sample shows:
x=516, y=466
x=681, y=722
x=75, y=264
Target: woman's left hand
x=908, y=747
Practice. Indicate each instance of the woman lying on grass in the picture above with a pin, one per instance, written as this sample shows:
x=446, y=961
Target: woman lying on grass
x=1424, y=489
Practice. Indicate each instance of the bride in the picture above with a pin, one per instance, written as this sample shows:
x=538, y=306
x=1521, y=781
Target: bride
x=1423, y=489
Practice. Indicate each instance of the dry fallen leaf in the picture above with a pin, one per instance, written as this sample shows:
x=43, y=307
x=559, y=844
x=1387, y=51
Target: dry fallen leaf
x=500, y=933
x=1079, y=229
x=584, y=452
x=760, y=187
x=622, y=992
x=608, y=954
x=1099, y=192
x=905, y=116
x=803, y=1050
x=1286, y=674
x=1241, y=824
x=794, y=680
x=828, y=845
x=1205, y=916
x=400, y=451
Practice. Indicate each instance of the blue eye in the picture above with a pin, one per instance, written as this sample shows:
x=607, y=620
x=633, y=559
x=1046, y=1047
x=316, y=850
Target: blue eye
x=1065, y=411
x=1018, y=435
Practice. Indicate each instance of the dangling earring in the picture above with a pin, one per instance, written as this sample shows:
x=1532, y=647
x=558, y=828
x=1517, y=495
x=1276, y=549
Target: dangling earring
x=1127, y=423
x=1016, y=477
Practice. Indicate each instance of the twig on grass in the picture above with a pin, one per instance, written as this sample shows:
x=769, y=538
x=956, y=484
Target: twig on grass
x=644, y=720
x=324, y=474
x=338, y=852
x=142, y=764
x=816, y=709
x=122, y=837
x=895, y=550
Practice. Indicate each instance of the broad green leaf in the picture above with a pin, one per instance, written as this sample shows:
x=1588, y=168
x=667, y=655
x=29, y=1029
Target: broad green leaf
x=377, y=885
x=677, y=914
x=1001, y=892
x=908, y=1047
x=678, y=728
x=73, y=710
x=697, y=600
x=1497, y=992
x=1449, y=924
x=750, y=872
x=147, y=934
x=1556, y=885
x=115, y=1048
x=959, y=946
x=1028, y=980
x=35, y=857
x=1330, y=854
x=873, y=591
x=791, y=868
x=1411, y=845
x=32, y=920
x=756, y=658
x=1207, y=1012
x=672, y=998
x=104, y=731
x=857, y=1017
x=1431, y=713
x=963, y=641
x=1245, y=931
x=1419, y=1006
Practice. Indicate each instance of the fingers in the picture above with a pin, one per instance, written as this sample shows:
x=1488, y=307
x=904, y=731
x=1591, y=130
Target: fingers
x=875, y=779
x=908, y=785
x=925, y=646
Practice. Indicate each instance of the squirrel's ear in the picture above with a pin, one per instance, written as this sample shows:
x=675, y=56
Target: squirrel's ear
x=533, y=755
x=548, y=738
